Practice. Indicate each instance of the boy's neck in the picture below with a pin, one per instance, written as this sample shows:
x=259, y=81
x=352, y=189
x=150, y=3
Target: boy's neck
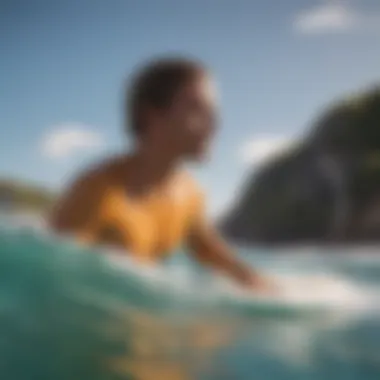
x=150, y=168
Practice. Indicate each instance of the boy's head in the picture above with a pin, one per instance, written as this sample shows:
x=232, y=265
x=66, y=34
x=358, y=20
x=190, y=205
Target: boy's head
x=171, y=104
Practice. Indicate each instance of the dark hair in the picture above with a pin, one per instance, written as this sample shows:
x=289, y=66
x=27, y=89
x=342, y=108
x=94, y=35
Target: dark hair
x=155, y=85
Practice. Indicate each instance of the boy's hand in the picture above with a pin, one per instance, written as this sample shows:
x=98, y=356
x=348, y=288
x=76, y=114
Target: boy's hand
x=262, y=285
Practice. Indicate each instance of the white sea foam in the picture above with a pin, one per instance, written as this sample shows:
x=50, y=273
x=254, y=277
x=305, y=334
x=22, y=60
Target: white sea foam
x=298, y=293
x=300, y=289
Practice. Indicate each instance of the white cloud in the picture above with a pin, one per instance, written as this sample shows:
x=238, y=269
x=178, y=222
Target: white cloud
x=67, y=139
x=261, y=148
x=326, y=18
x=335, y=17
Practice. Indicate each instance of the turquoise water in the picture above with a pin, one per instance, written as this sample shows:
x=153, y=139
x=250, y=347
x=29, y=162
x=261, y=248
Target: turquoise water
x=70, y=313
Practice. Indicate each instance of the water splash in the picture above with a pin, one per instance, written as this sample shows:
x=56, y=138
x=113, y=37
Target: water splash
x=65, y=311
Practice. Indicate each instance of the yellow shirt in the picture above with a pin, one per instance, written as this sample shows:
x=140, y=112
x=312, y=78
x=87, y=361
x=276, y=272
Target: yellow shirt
x=97, y=209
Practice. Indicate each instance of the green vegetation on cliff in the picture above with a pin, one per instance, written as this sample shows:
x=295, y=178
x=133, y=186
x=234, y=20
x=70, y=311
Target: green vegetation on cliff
x=326, y=189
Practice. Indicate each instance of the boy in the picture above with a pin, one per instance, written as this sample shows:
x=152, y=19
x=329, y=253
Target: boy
x=144, y=201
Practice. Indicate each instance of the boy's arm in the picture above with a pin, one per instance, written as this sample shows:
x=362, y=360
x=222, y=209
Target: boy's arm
x=207, y=245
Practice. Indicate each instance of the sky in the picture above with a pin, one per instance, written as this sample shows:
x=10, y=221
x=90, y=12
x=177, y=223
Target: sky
x=277, y=64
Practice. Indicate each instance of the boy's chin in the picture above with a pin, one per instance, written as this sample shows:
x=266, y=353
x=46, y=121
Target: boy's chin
x=199, y=157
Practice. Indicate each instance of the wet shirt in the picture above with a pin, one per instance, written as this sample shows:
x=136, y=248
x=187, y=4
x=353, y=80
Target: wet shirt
x=98, y=210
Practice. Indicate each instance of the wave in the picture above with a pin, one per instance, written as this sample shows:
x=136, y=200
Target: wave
x=65, y=310
x=309, y=284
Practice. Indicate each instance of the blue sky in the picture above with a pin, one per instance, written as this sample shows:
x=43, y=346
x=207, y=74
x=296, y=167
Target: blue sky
x=277, y=63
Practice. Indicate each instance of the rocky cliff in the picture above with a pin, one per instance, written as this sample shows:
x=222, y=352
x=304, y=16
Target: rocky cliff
x=326, y=189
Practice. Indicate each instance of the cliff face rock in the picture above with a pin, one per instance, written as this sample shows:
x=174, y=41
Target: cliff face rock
x=327, y=188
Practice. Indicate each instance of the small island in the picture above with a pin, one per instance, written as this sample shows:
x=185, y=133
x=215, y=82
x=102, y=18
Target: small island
x=22, y=197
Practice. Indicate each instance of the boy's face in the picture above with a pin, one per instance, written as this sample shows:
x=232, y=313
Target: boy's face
x=187, y=126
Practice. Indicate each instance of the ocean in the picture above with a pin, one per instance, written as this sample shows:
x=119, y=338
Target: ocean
x=73, y=313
